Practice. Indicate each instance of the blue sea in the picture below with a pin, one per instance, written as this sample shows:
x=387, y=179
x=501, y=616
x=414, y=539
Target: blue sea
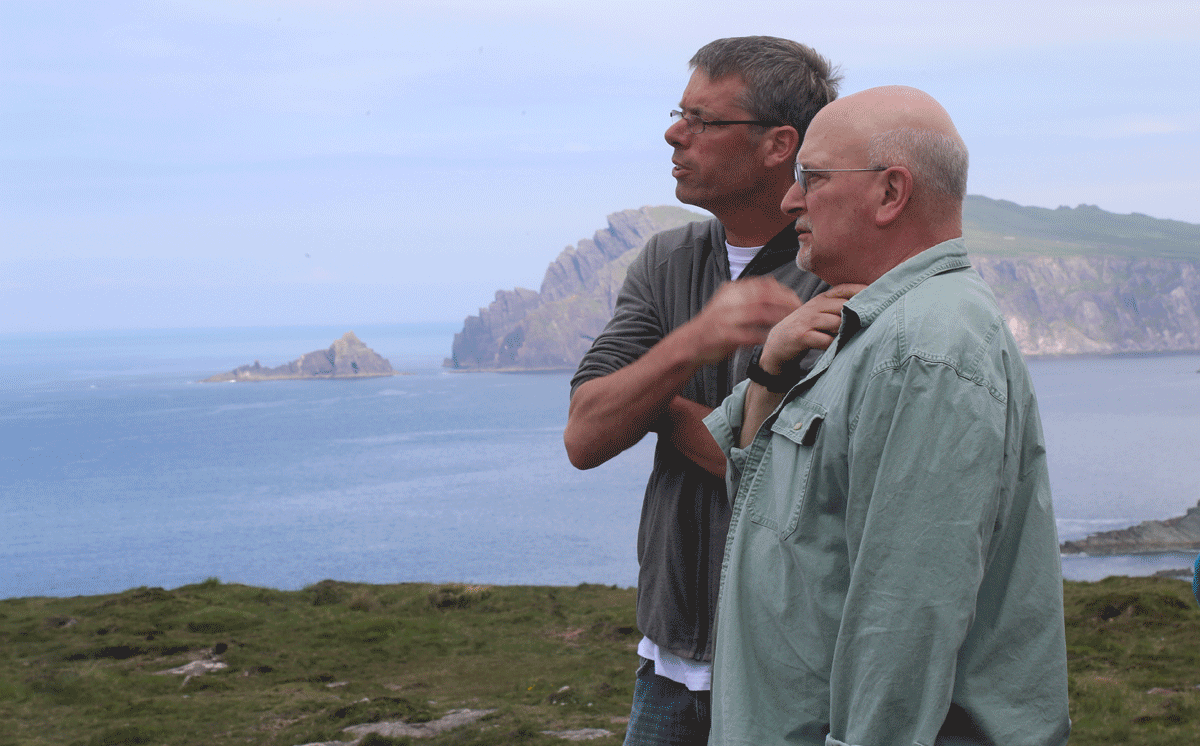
x=119, y=469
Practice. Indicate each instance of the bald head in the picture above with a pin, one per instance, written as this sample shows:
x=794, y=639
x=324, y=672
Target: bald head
x=902, y=126
x=889, y=107
x=886, y=175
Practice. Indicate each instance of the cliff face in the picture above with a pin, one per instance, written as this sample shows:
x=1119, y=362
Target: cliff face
x=551, y=329
x=1071, y=305
x=1070, y=281
x=347, y=357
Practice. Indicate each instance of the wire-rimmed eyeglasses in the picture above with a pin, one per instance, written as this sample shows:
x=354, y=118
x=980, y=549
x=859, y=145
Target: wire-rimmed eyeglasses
x=802, y=173
x=696, y=125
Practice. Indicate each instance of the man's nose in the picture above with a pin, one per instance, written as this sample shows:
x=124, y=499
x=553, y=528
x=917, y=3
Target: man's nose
x=793, y=201
x=676, y=133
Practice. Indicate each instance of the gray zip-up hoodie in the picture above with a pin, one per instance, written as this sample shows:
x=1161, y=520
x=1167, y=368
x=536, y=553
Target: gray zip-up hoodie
x=685, y=515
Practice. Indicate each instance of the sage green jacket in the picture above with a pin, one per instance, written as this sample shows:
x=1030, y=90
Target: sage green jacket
x=892, y=573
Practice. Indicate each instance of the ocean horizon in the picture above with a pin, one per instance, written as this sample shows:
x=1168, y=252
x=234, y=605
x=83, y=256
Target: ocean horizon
x=118, y=469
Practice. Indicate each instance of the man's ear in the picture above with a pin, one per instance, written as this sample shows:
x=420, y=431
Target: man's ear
x=780, y=146
x=897, y=191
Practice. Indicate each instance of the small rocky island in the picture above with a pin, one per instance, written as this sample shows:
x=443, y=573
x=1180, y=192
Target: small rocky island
x=348, y=357
x=1180, y=534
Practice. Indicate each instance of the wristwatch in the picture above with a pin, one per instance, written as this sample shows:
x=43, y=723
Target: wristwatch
x=776, y=384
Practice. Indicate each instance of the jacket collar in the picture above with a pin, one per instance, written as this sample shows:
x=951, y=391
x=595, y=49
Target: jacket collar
x=860, y=311
x=876, y=297
x=777, y=252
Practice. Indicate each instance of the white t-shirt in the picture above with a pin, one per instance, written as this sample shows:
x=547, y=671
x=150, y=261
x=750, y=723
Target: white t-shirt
x=695, y=675
x=739, y=257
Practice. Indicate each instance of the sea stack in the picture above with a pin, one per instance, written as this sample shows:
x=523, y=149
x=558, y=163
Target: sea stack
x=348, y=357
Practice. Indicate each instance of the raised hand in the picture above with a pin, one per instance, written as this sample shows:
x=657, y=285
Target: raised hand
x=811, y=326
x=611, y=413
x=740, y=313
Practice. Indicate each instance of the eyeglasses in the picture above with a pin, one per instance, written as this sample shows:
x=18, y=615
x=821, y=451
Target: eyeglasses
x=802, y=173
x=696, y=125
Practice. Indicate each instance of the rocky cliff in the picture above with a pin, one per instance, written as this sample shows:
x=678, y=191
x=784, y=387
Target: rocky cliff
x=551, y=328
x=348, y=357
x=1070, y=281
x=1072, y=305
x=1173, y=534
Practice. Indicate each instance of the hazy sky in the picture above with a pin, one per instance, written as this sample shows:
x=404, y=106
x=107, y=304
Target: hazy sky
x=208, y=163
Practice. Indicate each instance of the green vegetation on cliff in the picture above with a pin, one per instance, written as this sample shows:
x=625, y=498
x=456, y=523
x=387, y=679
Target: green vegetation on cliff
x=299, y=667
x=994, y=226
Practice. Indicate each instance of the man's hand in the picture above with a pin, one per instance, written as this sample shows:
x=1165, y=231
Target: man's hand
x=613, y=412
x=740, y=313
x=810, y=327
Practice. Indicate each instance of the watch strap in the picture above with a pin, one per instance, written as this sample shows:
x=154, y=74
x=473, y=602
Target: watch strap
x=776, y=384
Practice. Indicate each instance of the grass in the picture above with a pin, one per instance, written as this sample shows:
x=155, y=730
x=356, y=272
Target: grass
x=303, y=665
x=82, y=670
x=1134, y=660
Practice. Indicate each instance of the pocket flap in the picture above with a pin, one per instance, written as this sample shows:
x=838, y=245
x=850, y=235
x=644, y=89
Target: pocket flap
x=800, y=422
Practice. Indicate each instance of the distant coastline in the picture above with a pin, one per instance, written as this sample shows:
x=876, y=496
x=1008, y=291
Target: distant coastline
x=1181, y=534
x=1069, y=282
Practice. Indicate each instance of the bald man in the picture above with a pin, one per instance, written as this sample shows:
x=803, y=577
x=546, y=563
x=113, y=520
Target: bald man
x=892, y=572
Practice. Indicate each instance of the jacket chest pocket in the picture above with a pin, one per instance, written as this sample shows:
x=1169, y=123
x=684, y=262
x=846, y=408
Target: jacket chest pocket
x=781, y=484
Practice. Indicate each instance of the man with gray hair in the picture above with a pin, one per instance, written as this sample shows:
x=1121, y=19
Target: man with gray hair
x=892, y=574
x=693, y=304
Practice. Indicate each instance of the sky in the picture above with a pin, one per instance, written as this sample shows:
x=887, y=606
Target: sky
x=212, y=163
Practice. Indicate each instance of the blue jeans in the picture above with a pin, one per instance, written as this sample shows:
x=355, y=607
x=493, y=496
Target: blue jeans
x=665, y=712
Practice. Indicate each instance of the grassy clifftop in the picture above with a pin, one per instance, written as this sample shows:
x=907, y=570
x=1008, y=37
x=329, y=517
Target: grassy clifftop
x=298, y=667
x=994, y=226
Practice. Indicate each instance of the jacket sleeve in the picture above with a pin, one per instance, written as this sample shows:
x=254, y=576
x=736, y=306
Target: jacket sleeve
x=923, y=497
x=725, y=424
